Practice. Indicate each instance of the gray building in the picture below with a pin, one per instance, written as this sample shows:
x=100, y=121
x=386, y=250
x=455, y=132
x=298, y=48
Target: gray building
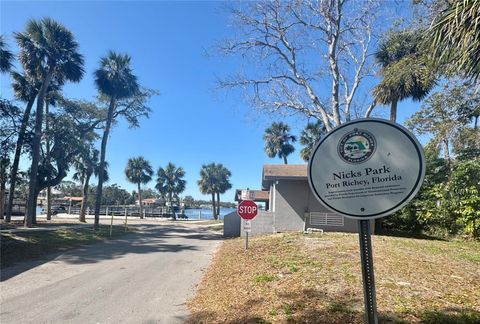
x=291, y=205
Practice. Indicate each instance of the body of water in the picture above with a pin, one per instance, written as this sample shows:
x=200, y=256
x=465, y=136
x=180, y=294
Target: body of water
x=206, y=213
x=194, y=213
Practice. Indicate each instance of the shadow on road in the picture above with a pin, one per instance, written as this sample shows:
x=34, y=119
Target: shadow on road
x=150, y=238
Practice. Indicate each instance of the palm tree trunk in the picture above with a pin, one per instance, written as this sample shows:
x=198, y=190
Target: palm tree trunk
x=16, y=159
x=103, y=150
x=140, y=200
x=393, y=111
x=170, y=196
x=30, y=217
x=218, y=203
x=83, y=207
x=47, y=149
x=213, y=206
x=285, y=160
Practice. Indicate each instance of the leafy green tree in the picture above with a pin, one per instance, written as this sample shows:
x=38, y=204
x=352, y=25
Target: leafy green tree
x=49, y=49
x=6, y=57
x=115, y=195
x=139, y=171
x=417, y=215
x=464, y=192
x=311, y=135
x=405, y=70
x=170, y=182
x=278, y=141
x=189, y=201
x=207, y=183
x=149, y=193
x=466, y=144
x=69, y=188
x=118, y=85
x=86, y=164
x=456, y=39
x=438, y=116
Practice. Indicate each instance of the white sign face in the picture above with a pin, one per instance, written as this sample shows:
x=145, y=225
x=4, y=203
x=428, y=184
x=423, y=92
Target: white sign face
x=247, y=226
x=367, y=168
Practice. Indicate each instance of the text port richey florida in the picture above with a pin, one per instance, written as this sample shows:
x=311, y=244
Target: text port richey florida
x=378, y=175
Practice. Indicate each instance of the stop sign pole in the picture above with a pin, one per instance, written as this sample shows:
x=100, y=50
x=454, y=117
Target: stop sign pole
x=247, y=209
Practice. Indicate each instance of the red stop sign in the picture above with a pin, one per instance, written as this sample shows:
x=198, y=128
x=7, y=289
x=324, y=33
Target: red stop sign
x=247, y=209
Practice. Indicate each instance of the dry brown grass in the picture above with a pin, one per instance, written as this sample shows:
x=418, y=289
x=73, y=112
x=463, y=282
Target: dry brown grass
x=299, y=278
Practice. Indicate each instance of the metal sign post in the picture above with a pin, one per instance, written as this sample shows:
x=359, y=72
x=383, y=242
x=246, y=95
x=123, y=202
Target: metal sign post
x=366, y=169
x=247, y=209
x=247, y=226
x=366, y=256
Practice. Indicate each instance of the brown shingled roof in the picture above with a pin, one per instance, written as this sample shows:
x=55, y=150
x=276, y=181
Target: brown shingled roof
x=277, y=171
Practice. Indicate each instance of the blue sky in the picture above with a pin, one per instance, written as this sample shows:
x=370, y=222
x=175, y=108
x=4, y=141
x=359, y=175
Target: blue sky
x=171, y=45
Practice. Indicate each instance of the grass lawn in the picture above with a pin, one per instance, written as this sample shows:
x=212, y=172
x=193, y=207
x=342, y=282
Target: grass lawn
x=297, y=278
x=33, y=245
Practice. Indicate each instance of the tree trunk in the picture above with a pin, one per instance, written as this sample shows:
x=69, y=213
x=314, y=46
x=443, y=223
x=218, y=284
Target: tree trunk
x=16, y=159
x=140, y=201
x=393, y=111
x=475, y=124
x=213, y=206
x=103, y=150
x=47, y=150
x=285, y=160
x=83, y=207
x=2, y=198
x=446, y=151
x=170, y=198
x=218, y=204
x=30, y=217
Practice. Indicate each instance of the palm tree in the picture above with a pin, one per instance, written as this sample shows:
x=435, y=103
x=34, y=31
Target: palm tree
x=6, y=57
x=405, y=71
x=139, y=171
x=277, y=141
x=170, y=181
x=456, y=37
x=223, y=183
x=87, y=165
x=207, y=183
x=49, y=49
x=114, y=80
x=311, y=134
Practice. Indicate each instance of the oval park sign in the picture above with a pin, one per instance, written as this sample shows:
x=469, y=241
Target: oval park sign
x=367, y=168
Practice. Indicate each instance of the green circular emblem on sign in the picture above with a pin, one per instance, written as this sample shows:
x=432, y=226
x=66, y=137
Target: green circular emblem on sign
x=356, y=146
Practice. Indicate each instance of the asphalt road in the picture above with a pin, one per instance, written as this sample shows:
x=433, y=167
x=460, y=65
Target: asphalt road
x=145, y=277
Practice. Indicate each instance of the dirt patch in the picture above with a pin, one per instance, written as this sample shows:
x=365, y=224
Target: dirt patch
x=295, y=278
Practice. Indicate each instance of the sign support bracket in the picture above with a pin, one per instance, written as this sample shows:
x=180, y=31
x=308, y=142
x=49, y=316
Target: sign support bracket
x=366, y=255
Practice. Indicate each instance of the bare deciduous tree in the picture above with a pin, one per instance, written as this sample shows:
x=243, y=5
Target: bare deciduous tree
x=306, y=57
